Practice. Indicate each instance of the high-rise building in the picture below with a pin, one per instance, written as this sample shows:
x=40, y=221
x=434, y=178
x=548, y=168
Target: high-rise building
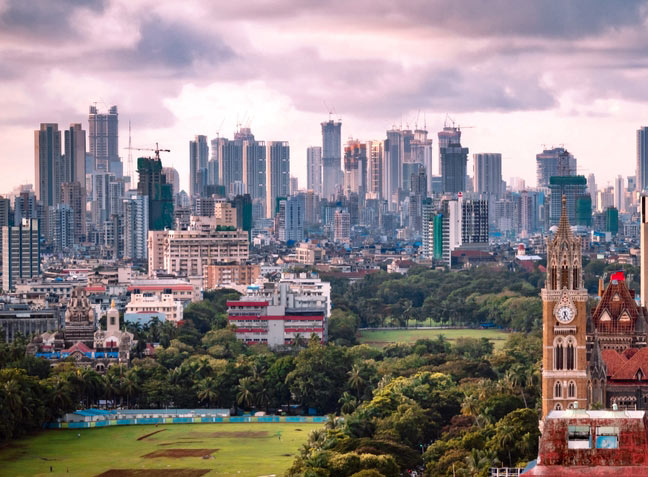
x=578, y=200
x=528, y=212
x=292, y=221
x=375, y=161
x=172, y=177
x=474, y=223
x=642, y=158
x=331, y=157
x=73, y=195
x=591, y=185
x=397, y=152
x=198, y=159
x=152, y=184
x=355, y=168
x=228, y=155
x=453, y=160
x=25, y=206
x=20, y=253
x=554, y=162
x=619, y=193
x=103, y=133
x=487, y=173
x=314, y=169
x=74, y=161
x=47, y=164
x=643, y=231
x=135, y=224
x=278, y=174
x=254, y=165
x=61, y=222
x=417, y=194
x=342, y=226
x=422, y=149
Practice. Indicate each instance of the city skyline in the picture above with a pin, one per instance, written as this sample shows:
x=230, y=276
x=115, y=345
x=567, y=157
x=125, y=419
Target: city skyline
x=176, y=71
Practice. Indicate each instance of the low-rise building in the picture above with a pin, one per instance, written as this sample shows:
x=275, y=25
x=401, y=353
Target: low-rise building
x=308, y=253
x=20, y=319
x=182, y=290
x=142, y=304
x=260, y=322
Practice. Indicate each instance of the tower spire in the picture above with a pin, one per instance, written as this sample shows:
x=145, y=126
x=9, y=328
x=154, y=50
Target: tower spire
x=564, y=229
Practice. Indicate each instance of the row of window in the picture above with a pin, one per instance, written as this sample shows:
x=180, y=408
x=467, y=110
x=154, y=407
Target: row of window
x=564, y=353
x=558, y=390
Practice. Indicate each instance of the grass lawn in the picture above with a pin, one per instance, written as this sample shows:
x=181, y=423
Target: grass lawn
x=242, y=449
x=381, y=338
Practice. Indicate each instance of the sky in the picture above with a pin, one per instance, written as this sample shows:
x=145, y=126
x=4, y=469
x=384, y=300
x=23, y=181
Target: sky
x=518, y=75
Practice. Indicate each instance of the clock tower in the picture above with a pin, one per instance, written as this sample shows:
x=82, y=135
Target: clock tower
x=564, y=322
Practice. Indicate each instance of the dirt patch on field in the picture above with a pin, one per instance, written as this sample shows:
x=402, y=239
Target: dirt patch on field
x=181, y=442
x=154, y=473
x=178, y=453
x=140, y=438
x=226, y=434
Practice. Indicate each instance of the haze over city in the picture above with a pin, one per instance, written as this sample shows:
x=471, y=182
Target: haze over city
x=524, y=76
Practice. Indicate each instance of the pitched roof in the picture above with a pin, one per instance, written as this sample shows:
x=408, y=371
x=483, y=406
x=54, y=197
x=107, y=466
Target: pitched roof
x=617, y=311
x=639, y=361
x=613, y=361
x=78, y=346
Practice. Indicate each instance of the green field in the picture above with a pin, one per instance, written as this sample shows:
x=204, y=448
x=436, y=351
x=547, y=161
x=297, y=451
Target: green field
x=381, y=338
x=246, y=449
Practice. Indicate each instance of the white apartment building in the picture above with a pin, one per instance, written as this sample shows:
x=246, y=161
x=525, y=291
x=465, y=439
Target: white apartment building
x=163, y=304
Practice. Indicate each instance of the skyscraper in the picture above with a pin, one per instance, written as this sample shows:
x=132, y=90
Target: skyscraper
x=152, y=183
x=278, y=173
x=554, y=162
x=578, y=201
x=314, y=169
x=254, y=164
x=619, y=193
x=375, y=161
x=136, y=222
x=103, y=132
x=487, y=173
x=453, y=159
x=73, y=195
x=47, y=164
x=642, y=158
x=198, y=159
x=342, y=226
x=331, y=157
x=74, y=169
x=355, y=168
x=422, y=148
x=20, y=253
x=173, y=178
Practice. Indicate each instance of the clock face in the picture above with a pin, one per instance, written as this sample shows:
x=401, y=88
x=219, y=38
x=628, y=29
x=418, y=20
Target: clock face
x=565, y=314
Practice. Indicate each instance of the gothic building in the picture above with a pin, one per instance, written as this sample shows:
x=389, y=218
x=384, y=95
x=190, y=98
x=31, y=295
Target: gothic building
x=81, y=341
x=616, y=344
x=564, y=301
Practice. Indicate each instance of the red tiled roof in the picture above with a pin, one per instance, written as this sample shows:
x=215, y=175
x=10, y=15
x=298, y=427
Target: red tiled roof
x=616, y=301
x=629, y=370
x=247, y=303
x=613, y=361
x=78, y=346
x=576, y=471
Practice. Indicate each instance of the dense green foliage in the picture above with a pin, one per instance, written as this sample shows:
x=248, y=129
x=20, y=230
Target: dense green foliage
x=508, y=299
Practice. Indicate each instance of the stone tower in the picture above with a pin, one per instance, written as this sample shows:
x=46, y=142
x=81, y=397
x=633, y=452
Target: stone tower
x=564, y=322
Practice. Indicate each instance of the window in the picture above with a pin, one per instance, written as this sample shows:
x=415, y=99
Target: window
x=558, y=390
x=575, y=279
x=607, y=437
x=558, y=355
x=571, y=354
x=579, y=437
x=558, y=407
x=564, y=277
x=571, y=389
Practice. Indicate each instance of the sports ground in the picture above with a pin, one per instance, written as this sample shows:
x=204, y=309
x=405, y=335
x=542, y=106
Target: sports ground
x=184, y=450
x=381, y=338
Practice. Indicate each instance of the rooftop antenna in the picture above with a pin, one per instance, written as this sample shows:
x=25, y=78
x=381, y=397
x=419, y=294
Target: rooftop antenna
x=418, y=113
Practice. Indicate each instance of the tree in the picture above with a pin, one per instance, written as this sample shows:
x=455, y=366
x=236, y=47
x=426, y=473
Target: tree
x=347, y=403
x=356, y=381
x=245, y=395
x=207, y=390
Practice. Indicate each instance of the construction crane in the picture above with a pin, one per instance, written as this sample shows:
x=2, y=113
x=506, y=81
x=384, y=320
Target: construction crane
x=157, y=150
x=454, y=124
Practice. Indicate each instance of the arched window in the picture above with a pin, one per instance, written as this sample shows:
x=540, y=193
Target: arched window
x=554, y=278
x=558, y=354
x=571, y=354
x=564, y=277
x=558, y=407
x=558, y=390
x=575, y=279
x=571, y=389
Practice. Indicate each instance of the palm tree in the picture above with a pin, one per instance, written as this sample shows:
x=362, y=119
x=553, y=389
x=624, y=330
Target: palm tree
x=129, y=387
x=60, y=394
x=262, y=397
x=356, y=381
x=13, y=398
x=245, y=395
x=470, y=407
x=515, y=377
x=207, y=390
x=92, y=385
x=111, y=386
x=348, y=403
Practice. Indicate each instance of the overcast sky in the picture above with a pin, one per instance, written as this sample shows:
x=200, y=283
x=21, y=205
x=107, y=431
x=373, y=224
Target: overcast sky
x=523, y=73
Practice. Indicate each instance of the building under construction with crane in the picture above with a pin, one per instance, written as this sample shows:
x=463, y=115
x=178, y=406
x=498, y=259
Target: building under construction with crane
x=152, y=184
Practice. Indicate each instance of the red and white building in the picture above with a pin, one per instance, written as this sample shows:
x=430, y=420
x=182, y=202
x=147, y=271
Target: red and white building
x=261, y=322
